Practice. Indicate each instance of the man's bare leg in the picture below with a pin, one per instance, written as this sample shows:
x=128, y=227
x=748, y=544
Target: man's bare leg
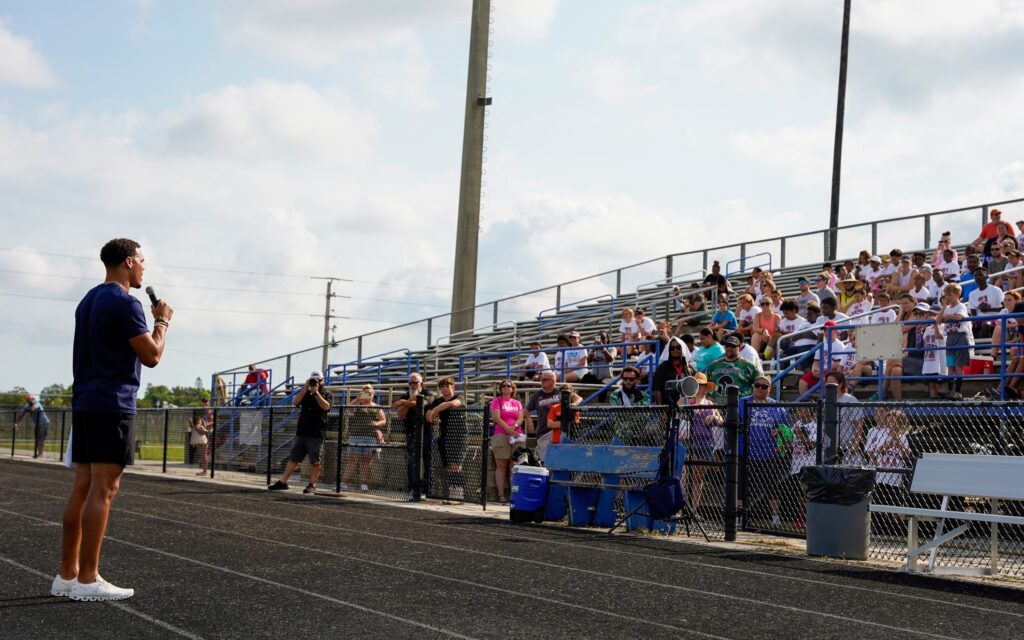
x=73, y=522
x=103, y=486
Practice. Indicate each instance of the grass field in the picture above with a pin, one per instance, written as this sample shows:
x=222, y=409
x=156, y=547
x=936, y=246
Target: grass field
x=175, y=453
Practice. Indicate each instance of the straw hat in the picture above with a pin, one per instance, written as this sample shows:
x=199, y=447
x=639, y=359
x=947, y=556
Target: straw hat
x=703, y=381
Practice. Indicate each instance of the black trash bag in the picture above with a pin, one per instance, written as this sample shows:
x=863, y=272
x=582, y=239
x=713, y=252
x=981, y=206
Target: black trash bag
x=837, y=485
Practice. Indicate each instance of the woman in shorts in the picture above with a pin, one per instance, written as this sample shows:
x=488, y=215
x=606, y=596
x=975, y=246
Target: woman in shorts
x=507, y=415
x=959, y=337
x=365, y=423
x=704, y=423
x=451, y=441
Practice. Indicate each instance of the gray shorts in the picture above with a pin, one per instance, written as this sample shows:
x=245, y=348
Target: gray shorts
x=304, y=446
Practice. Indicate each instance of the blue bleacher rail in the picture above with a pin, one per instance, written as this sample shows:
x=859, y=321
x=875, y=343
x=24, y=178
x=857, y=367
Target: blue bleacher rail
x=744, y=266
x=543, y=322
x=375, y=370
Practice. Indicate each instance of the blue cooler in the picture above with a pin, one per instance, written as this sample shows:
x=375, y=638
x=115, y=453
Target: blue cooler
x=529, y=493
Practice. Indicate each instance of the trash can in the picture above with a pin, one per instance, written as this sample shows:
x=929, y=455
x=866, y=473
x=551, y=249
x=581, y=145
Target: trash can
x=529, y=493
x=838, y=519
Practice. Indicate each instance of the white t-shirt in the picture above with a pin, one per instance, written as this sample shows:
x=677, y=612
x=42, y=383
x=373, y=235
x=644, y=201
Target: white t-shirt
x=539, y=361
x=749, y=354
x=881, y=443
x=839, y=349
x=934, y=361
x=951, y=269
x=856, y=308
x=797, y=324
x=992, y=295
x=648, y=325
x=628, y=328
x=573, y=357
x=924, y=293
x=953, y=326
x=904, y=279
x=803, y=456
x=749, y=314
x=869, y=273
x=883, y=317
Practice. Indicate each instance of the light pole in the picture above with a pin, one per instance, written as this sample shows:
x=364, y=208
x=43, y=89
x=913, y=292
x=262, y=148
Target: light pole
x=837, y=149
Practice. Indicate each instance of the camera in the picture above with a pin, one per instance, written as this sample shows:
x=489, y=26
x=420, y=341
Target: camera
x=312, y=382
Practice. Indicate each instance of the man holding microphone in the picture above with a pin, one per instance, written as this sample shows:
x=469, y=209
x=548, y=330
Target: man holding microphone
x=112, y=341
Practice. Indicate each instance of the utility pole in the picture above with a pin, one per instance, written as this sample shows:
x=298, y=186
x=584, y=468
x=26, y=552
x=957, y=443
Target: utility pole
x=468, y=230
x=837, y=149
x=327, y=318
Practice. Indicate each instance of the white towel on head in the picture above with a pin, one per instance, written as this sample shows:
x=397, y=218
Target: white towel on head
x=687, y=356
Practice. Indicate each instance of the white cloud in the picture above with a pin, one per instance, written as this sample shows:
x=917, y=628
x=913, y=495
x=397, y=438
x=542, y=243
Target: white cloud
x=614, y=82
x=267, y=120
x=524, y=19
x=20, y=64
x=906, y=24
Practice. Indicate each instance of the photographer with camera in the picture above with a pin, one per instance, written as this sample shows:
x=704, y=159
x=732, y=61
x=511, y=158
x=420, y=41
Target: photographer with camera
x=313, y=401
x=675, y=364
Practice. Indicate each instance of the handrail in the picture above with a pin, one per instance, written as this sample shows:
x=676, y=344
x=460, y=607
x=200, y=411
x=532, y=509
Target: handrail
x=743, y=263
x=543, y=322
x=669, y=281
x=572, y=304
x=359, y=362
x=492, y=326
x=873, y=224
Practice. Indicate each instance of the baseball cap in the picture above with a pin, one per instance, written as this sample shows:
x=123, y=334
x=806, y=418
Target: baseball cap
x=802, y=281
x=30, y=398
x=875, y=259
x=830, y=323
x=731, y=341
x=923, y=307
x=317, y=375
x=995, y=212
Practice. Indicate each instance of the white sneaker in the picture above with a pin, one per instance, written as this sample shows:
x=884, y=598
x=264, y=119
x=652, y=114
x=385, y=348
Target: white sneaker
x=344, y=486
x=60, y=586
x=364, y=488
x=97, y=591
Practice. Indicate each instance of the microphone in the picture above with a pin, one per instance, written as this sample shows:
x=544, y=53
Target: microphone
x=152, y=295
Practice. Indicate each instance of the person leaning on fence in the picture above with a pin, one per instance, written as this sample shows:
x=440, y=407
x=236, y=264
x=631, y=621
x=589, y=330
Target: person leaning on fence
x=851, y=422
x=803, y=454
x=313, y=402
x=200, y=426
x=406, y=411
x=39, y=421
x=366, y=423
x=732, y=369
x=451, y=440
x=537, y=409
x=768, y=441
x=889, y=447
x=111, y=343
x=508, y=416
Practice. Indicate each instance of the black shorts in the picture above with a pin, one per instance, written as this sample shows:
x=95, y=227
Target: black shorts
x=451, y=447
x=304, y=446
x=102, y=437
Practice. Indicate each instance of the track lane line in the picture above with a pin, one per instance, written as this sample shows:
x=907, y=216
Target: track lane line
x=117, y=605
x=549, y=565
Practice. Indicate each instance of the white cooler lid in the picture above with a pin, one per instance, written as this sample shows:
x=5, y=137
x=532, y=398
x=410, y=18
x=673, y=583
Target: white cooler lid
x=530, y=471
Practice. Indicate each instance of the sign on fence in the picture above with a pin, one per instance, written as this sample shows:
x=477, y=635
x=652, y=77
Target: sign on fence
x=250, y=427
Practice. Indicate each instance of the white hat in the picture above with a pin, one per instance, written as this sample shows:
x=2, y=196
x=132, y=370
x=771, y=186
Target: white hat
x=874, y=259
x=317, y=375
x=922, y=306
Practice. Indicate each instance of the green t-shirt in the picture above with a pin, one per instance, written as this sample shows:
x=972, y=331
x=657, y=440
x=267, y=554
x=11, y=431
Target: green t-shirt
x=742, y=372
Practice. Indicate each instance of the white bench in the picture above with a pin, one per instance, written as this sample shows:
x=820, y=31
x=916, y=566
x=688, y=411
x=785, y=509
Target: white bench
x=992, y=478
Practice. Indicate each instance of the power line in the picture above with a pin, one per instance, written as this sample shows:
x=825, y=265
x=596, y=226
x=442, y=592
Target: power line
x=270, y=274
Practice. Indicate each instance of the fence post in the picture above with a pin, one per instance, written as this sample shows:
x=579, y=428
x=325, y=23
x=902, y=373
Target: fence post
x=558, y=298
x=167, y=424
x=618, y=282
x=63, y=420
x=732, y=424
x=35, y=435
x=270, y=446
x=213, y=444
x=782, y=253
x=829, y=426
x=485, y=458
x=14, y=438
x=430, y=331
x=874, y=238
x=927, y=232
x=337, y=452
x=495, y=320
x=668, y=268
x=417, y=451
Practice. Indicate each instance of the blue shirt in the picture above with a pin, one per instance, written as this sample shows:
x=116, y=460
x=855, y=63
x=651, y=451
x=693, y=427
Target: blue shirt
x=763, y=420
x=106, y=369
x=967, y=285
x=706, y=355
x=729, y=318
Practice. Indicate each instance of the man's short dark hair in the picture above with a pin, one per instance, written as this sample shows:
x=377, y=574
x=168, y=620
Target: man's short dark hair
x=687, y=340
x=789, y=305
x=705, y=332
x=813, y=307
x=630, y=369
x=838, y=376
x=117, y=250
x=829, y=301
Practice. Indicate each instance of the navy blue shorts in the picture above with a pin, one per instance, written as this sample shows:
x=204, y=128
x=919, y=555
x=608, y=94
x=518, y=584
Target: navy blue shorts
x=102, y=437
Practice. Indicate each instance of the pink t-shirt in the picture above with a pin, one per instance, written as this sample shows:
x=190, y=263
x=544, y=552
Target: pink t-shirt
x=509, y=410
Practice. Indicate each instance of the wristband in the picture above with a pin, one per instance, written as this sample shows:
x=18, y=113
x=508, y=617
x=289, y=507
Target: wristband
x=163, y=322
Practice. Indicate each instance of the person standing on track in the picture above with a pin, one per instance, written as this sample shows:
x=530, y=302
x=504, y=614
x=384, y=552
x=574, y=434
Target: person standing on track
x=313, y=402
x=112, y=340
x=451, y=441
x=39, y=419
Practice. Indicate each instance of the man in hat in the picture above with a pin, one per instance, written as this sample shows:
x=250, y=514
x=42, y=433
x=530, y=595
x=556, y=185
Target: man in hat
x=313, y=402
x=873, y=272
x=768, y=443
x=39, y=420
x=990, y=229
x=824, y=291
x=732, y=369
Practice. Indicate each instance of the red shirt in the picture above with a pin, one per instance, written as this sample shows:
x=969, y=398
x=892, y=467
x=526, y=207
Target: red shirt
x=989, y=230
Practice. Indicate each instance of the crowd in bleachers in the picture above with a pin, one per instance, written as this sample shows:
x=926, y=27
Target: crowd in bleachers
x=944, y=294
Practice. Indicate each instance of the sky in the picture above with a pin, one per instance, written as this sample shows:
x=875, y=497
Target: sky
x=253, y=146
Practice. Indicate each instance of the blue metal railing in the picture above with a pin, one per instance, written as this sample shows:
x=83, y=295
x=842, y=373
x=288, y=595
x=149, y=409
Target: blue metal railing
x=744, y=267
x=262, y=389
x=542, y=322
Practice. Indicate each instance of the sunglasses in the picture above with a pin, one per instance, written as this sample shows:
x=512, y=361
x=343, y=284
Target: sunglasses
x=630, y=379
x=761, y=385
x=506, y=386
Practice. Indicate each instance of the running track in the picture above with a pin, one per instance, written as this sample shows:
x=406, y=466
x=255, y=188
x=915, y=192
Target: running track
x=216, y=561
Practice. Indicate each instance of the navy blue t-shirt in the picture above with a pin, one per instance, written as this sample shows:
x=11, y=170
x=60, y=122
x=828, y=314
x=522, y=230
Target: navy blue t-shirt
x=105, y=366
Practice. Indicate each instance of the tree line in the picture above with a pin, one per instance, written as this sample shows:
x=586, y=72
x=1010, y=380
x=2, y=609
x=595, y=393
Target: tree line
x=58, y=396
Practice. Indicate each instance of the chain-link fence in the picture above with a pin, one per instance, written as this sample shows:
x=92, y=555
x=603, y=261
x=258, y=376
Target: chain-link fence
x=777, y=441
x=891, y=436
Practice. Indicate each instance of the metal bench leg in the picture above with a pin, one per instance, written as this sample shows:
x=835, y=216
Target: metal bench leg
x=995, y=537
x=939, y=526
x=911, y=544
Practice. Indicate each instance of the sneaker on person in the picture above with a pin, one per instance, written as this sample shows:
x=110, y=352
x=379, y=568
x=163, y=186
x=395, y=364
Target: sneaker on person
x=98, y=591
x=309, y=489
x=344, y=486
x=278, y=486
x=364, y=488
x=60, y=586
x=411, y=496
